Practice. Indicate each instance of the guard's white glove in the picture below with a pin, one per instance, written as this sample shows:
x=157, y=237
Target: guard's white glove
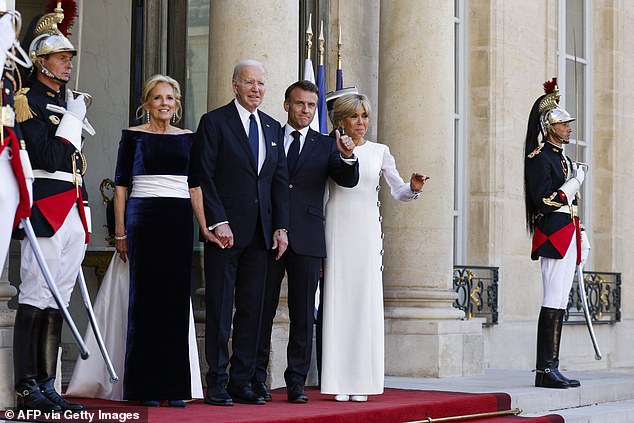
x=76, y=106
x=7, y=37
x=578, y=173
x=585, y=247
x=72, y=122
x=570, y=188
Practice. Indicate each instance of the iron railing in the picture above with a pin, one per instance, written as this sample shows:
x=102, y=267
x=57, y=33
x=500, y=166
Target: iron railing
x=477, y=290
x=603, y=291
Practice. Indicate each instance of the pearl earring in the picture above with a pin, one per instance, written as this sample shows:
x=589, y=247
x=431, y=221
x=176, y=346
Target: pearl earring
x=147, y=116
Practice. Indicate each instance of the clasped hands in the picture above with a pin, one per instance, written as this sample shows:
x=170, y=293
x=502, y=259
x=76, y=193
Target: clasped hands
x=222, y=236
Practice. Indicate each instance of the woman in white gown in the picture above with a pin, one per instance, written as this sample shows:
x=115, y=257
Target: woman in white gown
x=353, y=346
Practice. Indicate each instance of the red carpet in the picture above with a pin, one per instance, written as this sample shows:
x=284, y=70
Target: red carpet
x=394, y=406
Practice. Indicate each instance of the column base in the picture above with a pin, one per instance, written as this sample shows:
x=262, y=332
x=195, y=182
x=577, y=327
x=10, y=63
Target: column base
x=7, y=392
x=433, y=348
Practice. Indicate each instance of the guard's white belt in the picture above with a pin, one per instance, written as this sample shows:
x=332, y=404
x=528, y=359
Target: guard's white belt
x=58, y=175
x=566, y=209
x=174, y=186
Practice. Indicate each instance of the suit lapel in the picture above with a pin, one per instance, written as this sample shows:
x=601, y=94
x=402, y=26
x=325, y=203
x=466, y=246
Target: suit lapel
x=233, y=119
x=269, y=137
x=309, y=144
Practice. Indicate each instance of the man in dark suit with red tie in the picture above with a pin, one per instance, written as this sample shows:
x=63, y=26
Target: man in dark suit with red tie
x=240, y=158
x=312, y=158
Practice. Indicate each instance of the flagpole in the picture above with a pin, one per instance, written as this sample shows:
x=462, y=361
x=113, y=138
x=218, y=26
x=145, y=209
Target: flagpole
x=309, y=36
x=339, y=85
x=321, y=44
x=309, y=72
x=321, y=84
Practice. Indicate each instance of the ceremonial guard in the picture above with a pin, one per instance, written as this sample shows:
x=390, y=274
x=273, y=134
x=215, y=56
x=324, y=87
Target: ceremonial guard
x=51, y=126
x=551, y=182
x=15, y=169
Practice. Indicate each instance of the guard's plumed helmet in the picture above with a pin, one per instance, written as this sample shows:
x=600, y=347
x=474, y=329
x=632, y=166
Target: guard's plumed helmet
x=549, y=110
x=48, y=39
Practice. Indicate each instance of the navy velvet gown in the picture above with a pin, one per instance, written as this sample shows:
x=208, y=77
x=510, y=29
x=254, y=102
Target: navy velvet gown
x=160, y=238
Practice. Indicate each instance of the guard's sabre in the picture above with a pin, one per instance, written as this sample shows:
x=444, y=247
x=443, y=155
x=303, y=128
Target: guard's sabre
x=586, y=312
x=80, y=21
x=93, y=322
x=580, y=278
x=574, y=47
x=39, y=256
x=77, y=65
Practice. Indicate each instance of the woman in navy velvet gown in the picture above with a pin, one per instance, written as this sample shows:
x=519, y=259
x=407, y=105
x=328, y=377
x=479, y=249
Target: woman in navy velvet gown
x=155, y=231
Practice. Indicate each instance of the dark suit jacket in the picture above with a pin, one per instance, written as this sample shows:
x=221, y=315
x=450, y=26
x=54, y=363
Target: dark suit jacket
x=318, y=160
x=232, y=189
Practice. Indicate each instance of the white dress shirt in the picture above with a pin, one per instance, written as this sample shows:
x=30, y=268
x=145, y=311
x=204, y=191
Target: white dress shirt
x=244, y=118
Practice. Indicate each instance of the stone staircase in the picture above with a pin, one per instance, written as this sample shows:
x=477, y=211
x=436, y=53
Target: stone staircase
x=604, y=396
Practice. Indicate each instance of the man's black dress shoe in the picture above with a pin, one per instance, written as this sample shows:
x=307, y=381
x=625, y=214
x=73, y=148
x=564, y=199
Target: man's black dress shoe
x=217, y=395
x=259, y=388
x=296, y=394
x=245, y=395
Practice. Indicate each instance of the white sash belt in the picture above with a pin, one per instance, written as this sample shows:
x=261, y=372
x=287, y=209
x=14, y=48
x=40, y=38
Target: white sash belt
x=58, y=175
x=174, y=186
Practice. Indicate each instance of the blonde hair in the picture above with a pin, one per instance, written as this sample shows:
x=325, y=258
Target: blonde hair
x=347, y=105
x=150, y=84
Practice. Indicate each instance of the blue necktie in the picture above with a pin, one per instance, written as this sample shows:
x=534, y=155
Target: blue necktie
x=254, y=138
x=293, y=151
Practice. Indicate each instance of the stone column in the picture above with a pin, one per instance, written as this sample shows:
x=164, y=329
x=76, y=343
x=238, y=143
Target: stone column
x=416, y=99
x=252, y=29
x=268, y=32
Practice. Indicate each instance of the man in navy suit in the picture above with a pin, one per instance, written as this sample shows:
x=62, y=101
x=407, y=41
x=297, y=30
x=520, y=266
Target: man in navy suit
x=312, y=158
x=239, y=154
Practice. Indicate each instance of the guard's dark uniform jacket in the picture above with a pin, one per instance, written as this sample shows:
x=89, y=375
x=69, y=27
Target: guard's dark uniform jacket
x=547, y=170
x=52, y=198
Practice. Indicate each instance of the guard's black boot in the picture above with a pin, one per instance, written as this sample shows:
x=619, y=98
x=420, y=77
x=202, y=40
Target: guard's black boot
x=573, y=383
x=547, y=375
x=30, y=397
x=50, y=339
x=26, y=338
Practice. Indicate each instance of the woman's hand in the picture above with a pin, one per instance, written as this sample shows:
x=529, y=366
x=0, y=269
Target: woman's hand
x=417, y=181
x=122, y=247
x=345, y=145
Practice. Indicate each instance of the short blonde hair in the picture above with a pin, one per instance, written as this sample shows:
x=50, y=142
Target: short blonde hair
x=150, y=84
x=347, y=105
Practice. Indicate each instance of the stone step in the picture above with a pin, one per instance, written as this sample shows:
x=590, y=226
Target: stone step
x=608, y=412
x=608, y=393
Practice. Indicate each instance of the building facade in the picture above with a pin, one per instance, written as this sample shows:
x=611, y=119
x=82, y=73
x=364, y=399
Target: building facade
x=451, y=84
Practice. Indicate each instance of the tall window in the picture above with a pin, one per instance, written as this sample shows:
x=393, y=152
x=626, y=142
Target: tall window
x=574, y=81
x=197, y=63
x=459, y=218
x=197, y=70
